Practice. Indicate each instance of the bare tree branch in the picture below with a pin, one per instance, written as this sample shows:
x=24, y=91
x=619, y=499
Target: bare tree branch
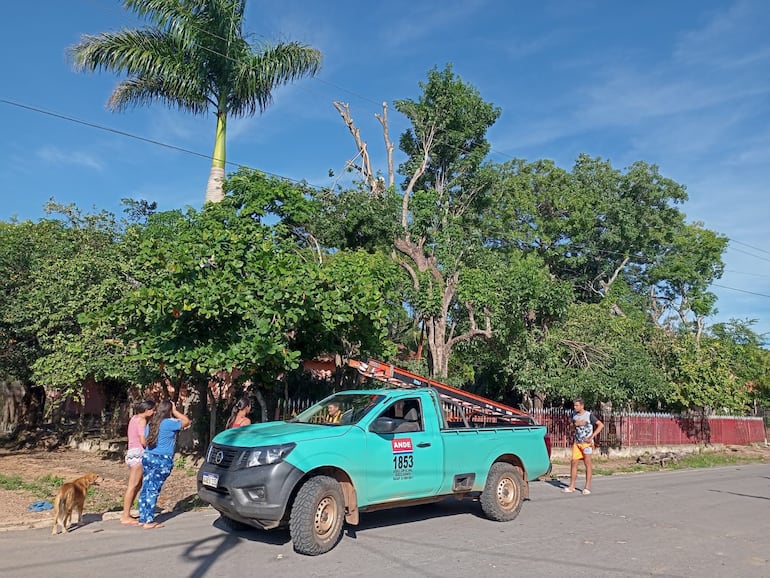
x=366, y=166
x=473, y=330
x=427, y=143
x=408, y=268
x=383, y=118
x=584, y=355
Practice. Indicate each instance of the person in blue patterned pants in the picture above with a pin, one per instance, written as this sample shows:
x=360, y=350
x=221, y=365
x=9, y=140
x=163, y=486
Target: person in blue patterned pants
x=158, y=458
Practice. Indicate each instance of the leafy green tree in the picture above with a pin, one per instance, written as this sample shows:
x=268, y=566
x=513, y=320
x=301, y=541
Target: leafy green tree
x=703, y=378
x=592, y=225
x=435, y=223
x=445, y=193
x=195, y=57
x=66, y=267
x=240, y=289
x=682, y=273
x=22, y=246
x=750, y=361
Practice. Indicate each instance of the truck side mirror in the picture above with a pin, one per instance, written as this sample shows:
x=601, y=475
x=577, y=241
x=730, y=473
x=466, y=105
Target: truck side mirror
x=384, y=425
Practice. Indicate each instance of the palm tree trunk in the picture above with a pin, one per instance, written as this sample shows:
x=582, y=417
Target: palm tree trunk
x=214, y=191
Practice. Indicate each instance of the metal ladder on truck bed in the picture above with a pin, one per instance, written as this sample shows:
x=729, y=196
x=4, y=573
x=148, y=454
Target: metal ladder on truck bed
x=461, y=408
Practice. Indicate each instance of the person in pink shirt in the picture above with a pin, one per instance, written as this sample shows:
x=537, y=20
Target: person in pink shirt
x=136, y=443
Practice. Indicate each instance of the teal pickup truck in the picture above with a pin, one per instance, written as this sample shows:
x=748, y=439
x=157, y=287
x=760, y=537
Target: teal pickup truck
x=364, y=450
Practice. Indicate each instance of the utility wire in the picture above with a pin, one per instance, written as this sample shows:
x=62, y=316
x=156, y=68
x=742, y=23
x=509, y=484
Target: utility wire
x=208, y=157
x=749, y=246
x=751, y=254
x=314, y=78
x=741, y=290
x=147, y=140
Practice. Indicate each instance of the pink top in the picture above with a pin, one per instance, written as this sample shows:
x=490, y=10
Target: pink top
x=135, y=430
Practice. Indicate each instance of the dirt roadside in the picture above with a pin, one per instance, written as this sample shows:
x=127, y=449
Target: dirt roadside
x=33, y=475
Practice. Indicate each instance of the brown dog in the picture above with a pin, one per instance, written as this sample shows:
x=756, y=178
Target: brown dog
x=71, y=496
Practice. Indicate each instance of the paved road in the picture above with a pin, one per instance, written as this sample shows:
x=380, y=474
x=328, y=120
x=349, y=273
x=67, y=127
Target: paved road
x=686, y=523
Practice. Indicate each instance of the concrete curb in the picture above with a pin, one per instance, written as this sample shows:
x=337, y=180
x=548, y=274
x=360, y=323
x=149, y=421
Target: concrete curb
x=47, y=522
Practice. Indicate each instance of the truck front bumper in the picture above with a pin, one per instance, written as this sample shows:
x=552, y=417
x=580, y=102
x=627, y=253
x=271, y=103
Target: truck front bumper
x=256, y=496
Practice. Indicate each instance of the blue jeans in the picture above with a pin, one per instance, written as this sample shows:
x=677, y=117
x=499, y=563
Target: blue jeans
x=156, y=468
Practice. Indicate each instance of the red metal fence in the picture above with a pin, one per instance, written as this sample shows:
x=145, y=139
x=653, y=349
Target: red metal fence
x=623, y=430
x=657, y=429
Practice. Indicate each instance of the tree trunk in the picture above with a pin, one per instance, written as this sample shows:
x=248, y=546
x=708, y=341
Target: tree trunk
x=193, y=406
x=262, y=405
x=214, y=190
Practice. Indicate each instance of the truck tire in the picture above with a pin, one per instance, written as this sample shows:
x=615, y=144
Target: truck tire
x=502, y=496
x=317, y=515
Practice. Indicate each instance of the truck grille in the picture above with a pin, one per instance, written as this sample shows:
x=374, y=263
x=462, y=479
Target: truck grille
x=224, y=457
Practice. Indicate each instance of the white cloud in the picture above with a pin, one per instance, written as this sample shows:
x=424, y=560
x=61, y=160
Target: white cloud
x=418, y=22
x=57, y=156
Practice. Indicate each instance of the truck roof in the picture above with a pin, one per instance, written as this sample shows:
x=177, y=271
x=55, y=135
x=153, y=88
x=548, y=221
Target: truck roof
x=386, y=389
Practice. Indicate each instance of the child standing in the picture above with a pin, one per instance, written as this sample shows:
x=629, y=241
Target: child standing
x=158, y=458
x=136, y=442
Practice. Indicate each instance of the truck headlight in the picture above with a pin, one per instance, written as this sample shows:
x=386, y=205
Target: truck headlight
x=268, y=455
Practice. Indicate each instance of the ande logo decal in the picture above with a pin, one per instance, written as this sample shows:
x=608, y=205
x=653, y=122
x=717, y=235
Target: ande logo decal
x=402, y=446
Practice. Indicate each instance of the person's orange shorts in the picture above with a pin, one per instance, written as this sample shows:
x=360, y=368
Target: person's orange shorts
x=579, y=451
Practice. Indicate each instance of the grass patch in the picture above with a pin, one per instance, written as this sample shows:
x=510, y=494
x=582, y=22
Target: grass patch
x=41, y=487
x=711, y=460
x=621, y=470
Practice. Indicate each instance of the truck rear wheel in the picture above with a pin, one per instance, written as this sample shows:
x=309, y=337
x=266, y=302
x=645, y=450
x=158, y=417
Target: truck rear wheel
x=316, y=518
x=503, y=493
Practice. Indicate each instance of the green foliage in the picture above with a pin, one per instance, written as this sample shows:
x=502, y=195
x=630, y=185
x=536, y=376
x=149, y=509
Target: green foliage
x=41, y=487
x=692, y=260
x=451, y=119
x=585, y=281
x=592, y=224
x=226, y=290
x=702, y=376
x=355, y=219
x=64, y=269
x=749, y=361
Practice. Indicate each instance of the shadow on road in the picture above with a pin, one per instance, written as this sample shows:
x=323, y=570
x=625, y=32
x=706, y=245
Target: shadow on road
x=203, y=553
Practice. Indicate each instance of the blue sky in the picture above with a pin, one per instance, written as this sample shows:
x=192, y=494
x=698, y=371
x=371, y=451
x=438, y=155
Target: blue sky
x=684, y=85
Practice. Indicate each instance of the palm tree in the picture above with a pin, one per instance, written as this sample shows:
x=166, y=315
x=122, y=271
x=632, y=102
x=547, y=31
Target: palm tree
x=196, y=58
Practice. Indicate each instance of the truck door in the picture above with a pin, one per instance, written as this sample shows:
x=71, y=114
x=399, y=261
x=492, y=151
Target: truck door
x=404, y=457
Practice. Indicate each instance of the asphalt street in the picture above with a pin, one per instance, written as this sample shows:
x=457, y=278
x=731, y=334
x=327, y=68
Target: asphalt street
x=704, y=522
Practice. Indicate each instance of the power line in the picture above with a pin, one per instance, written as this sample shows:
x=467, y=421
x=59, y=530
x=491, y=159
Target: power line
x=747, y=273
x=239, y=165
x=145, y=139
x=749, y=246
x=751, y=254
x=741, y=290
x=320, y=80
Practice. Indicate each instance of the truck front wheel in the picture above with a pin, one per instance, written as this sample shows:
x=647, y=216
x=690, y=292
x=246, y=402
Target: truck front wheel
x=502, y=496
x=316, y=518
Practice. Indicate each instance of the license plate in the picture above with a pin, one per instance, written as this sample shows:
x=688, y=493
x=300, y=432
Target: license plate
x=210, y=480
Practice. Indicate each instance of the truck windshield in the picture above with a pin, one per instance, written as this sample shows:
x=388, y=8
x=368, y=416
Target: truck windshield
x=339, y=409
